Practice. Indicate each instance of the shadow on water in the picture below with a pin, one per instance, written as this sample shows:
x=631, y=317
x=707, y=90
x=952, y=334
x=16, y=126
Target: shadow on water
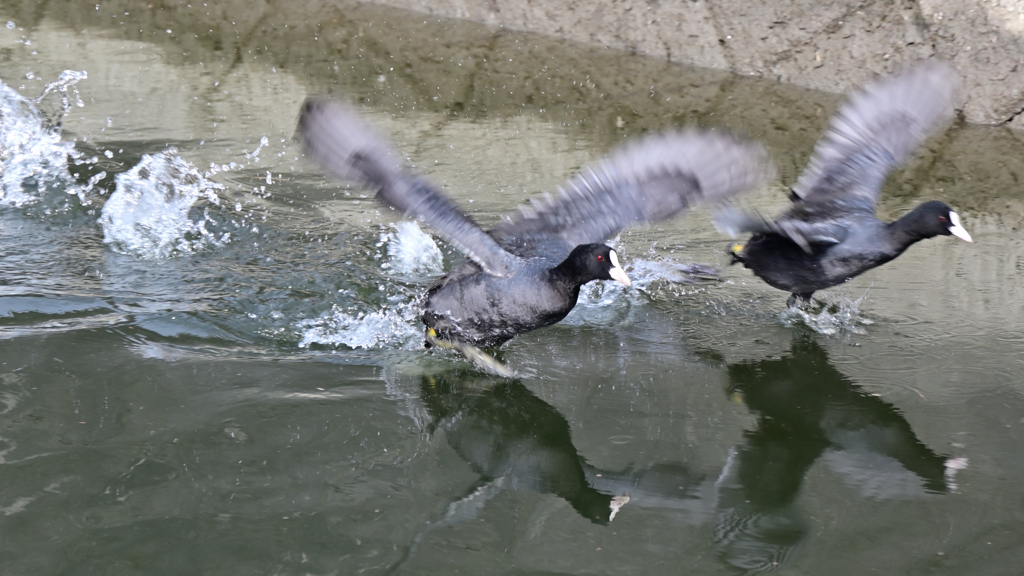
x=807, y=410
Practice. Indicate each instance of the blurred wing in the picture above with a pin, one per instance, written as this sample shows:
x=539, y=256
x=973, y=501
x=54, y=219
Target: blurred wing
x=877, y=129
x=343, y=144
x=647, y=181
x=804, y=231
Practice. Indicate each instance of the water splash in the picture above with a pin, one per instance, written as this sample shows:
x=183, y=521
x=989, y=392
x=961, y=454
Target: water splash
x=255, y=154
x=148, y=215
x=64, y=85
x=840, y=314
x=411, y=251
x=609, y=301
x=394, y=328
x=33, y=158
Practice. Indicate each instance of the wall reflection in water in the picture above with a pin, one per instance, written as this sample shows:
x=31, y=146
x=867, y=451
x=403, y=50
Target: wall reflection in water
x=806, y=411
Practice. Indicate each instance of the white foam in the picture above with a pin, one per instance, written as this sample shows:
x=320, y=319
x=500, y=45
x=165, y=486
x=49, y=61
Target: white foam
x=148, y=214
x=396, y=328
x=33, y=158
x=604, y=302
x=411, y=250
x=841, y=314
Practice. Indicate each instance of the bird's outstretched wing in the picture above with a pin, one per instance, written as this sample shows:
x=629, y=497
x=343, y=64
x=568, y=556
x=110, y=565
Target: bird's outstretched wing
x=343, y=144
x=877, y=129
x=646, y=181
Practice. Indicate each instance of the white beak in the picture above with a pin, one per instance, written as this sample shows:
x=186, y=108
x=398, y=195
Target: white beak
x=956, y=229
x=616, y=504
x=617, y=273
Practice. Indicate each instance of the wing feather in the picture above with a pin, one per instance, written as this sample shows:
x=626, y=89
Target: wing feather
x=878, y=129
x=343, y=144
x=646, y=181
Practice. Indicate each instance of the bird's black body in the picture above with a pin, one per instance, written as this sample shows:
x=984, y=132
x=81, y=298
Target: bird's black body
x=831, y=234
x=489, y=310
x=526, y=272
x=868, y=243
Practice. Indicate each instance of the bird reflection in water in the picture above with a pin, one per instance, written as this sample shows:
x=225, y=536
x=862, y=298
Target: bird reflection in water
x=513, y=439
x=806, y=410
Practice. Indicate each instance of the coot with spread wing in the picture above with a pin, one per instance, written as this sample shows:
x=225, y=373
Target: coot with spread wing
x=527, y=271
x=831, y=234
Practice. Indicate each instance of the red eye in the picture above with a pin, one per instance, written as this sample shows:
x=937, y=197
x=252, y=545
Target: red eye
x=600, y=258
x=942, y=218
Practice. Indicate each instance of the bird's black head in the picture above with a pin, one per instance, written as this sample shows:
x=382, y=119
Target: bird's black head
x=593, y=262
x=938, y=219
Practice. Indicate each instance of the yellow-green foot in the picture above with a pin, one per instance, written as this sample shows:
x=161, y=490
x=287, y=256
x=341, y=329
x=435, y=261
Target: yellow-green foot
x=478, y=357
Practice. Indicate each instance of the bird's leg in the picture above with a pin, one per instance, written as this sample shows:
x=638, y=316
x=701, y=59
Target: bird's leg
x=799, y=300
x=478, y=357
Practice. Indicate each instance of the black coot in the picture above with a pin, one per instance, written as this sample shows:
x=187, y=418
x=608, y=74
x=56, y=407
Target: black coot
x=830, y=234
x=527, y=271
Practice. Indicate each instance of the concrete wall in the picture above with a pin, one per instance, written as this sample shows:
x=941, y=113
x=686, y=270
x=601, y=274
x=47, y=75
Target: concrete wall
x=821, y=44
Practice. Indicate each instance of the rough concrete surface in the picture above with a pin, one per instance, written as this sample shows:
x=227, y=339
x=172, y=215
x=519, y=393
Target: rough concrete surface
x=825, y=45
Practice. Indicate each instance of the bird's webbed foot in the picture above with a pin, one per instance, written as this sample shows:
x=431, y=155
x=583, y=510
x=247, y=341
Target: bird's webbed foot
x=799, y=300
x=478, y=357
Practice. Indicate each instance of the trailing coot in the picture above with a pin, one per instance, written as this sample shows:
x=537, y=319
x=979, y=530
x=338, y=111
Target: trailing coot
x=830, y=234
x=526, y=272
